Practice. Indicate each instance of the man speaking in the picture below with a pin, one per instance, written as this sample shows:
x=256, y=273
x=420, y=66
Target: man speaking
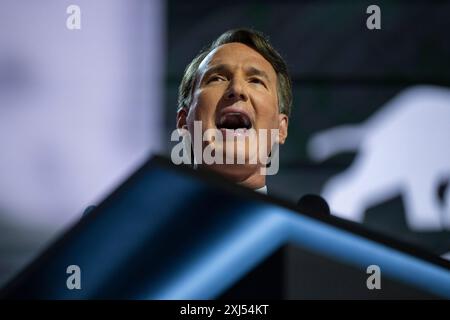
x=234, y=104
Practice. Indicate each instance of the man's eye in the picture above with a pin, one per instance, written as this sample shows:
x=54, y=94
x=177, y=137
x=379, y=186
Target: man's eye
x=215, y=78
x=257, y=80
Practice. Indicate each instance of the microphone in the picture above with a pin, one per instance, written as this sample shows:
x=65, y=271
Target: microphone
x=313, y=204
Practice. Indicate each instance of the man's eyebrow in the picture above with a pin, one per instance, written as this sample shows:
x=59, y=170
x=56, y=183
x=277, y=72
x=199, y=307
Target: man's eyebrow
x=253, y=71
x=225, y=68
x=218, y=68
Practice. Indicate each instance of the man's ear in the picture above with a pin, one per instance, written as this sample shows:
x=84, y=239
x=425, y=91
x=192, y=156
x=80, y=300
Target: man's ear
x=181, y=118
x=283, y=122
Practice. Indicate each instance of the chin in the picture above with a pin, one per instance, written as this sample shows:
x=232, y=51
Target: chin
x=234, y=172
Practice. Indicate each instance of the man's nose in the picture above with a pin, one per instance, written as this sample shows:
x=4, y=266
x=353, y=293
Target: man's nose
x=236, y=91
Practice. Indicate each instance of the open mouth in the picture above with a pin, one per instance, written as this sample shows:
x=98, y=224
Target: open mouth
x=234, y=121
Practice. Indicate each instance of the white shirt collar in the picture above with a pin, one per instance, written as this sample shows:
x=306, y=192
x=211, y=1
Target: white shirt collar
x=262, y=190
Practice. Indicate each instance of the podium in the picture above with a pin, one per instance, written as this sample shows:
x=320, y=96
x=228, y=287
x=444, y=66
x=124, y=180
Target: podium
x=171, y=232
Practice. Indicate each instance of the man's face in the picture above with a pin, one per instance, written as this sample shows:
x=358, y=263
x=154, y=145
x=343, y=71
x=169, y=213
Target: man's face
x=236, y=88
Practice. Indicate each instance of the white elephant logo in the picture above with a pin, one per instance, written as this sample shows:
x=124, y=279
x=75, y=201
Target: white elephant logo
x=403, y=149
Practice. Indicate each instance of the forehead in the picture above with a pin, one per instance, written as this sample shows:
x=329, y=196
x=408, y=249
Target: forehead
x=236, y=55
